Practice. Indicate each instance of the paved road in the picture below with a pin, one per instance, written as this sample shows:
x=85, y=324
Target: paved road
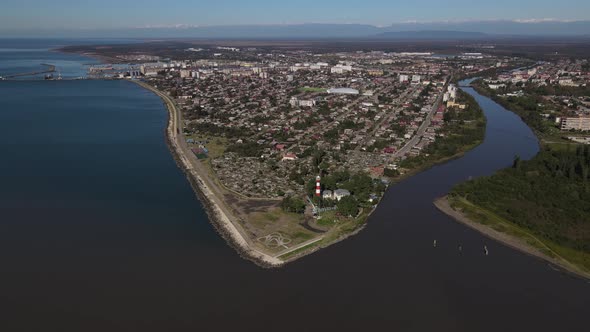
x=422, y=129
x=386, y=118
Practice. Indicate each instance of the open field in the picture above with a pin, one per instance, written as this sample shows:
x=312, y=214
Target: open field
x=310, y=89
x=215, y=145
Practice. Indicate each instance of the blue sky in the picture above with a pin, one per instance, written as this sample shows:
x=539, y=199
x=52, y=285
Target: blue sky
x=90, y=14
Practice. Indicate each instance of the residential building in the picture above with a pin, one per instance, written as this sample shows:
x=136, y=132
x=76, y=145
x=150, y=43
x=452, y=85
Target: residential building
x=581, y=123
x=340, y=194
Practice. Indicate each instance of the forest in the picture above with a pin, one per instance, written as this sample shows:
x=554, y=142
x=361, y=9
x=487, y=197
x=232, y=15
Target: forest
x=548, y=195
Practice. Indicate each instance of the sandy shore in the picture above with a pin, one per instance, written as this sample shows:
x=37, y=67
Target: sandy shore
x=210, y=195
x=514, y=242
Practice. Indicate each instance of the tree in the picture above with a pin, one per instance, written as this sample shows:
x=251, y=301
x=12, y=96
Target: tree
x=391, y=173
x=293, y=204
x=317, y=158
x=348, y=206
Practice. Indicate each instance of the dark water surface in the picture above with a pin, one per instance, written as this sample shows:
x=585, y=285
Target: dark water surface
x=100, y=231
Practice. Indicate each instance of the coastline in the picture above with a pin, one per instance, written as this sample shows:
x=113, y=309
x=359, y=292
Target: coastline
x=443, y=204
x=230, y=223
x=221, y=216
x=431, y=164
x=218, y=214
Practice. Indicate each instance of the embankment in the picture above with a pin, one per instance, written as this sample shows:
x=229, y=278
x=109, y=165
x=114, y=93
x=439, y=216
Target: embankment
x=218, y=213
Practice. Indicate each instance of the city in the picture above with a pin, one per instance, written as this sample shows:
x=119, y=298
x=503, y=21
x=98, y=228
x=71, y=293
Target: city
x=294, y=166
x=266, y=129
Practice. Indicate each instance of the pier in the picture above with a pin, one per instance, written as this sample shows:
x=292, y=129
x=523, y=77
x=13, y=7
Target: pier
x=48, y=70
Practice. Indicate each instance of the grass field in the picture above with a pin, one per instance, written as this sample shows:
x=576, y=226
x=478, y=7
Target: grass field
x=216, y=145
x=310, y=89
x=276, y=221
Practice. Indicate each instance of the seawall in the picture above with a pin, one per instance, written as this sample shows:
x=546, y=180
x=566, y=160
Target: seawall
x=220, y=219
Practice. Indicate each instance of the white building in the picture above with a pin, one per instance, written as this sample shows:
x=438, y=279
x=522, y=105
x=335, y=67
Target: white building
x=340, y=194
x=404, y=78
x=339, y=69
x=343, y=91
x=185, y=73
x=307, y=103
x=295, y=102
x=327, y=194
x=149, y=70
x=452, y=91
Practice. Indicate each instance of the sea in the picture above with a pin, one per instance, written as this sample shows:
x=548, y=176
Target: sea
x=101, y=231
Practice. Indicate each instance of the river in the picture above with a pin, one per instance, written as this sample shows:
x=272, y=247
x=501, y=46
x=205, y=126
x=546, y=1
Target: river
x=100, y=231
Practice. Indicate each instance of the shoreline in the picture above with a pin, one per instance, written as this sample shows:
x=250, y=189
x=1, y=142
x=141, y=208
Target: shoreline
x=511, y=241
x=220, y=218
x=434, y=163
x=220, y=214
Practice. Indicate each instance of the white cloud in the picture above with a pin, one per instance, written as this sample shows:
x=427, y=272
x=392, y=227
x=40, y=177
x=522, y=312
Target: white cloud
x=542, y=20
x=167, y=26
x=518, y=20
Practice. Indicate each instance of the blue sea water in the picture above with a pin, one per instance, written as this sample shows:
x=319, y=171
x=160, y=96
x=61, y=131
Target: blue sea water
x=29, y=55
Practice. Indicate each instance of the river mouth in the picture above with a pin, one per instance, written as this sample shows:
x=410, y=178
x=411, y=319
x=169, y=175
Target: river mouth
x=100, y=228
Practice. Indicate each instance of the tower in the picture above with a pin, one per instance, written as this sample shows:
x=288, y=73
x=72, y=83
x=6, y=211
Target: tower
x=318, y=187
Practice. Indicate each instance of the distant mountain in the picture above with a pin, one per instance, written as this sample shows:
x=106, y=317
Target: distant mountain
x=503, y=27
x=269, y=31
x=431, y=35
x=435, y=30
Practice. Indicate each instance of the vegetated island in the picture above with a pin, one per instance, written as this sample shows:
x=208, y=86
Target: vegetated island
x=540, y=206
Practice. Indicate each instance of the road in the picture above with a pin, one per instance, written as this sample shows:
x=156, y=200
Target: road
x=422, y=129
x=387, y=118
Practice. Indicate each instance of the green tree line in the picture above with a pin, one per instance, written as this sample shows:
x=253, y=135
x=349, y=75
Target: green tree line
x=548, y=195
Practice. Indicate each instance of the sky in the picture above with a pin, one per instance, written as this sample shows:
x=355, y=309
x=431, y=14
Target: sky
x=16, y=15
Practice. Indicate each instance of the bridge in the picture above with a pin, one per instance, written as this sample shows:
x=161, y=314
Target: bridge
x=48, y=70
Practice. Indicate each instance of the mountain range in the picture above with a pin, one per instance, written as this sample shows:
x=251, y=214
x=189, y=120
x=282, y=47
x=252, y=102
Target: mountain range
x=434, y=30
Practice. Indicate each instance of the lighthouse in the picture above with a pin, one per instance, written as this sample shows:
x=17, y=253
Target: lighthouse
x=318, y=187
